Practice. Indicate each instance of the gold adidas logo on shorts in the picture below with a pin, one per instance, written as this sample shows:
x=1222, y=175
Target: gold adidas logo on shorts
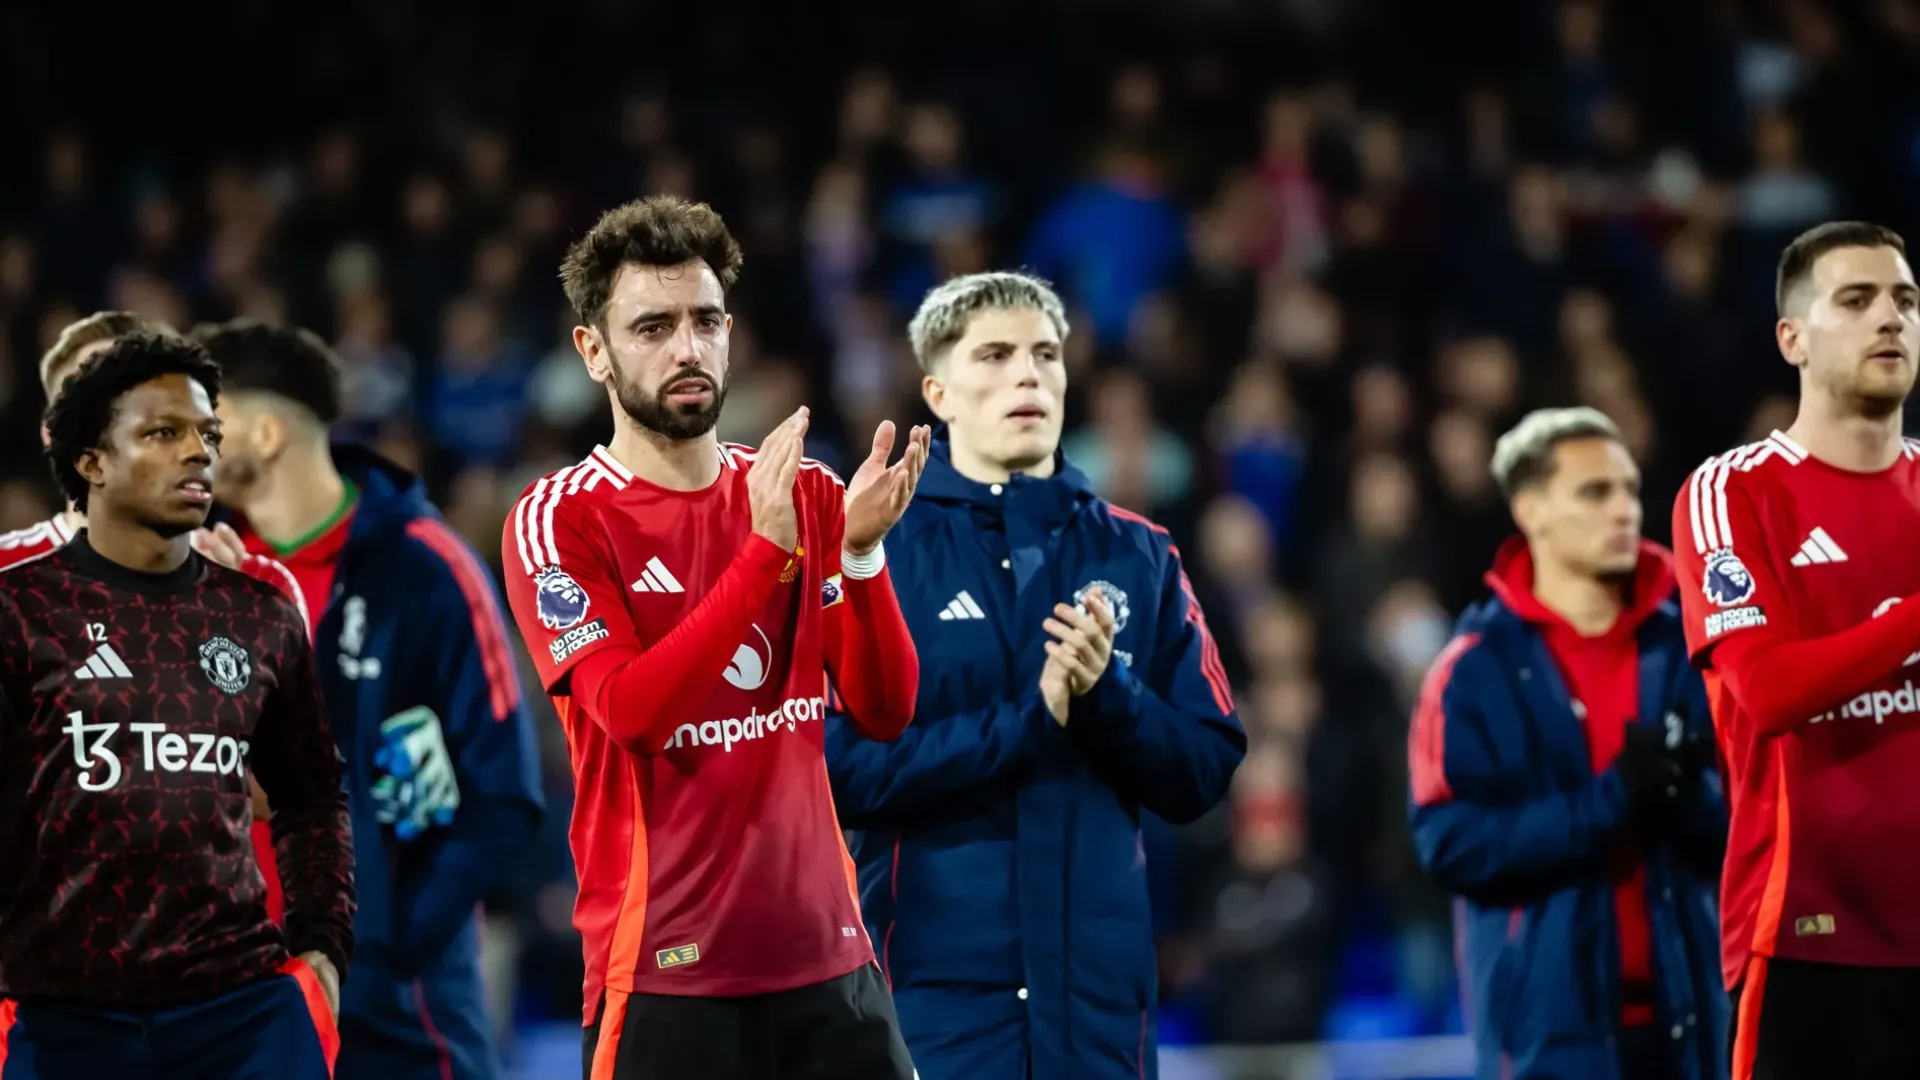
x=677, y=957
x=1813, y=925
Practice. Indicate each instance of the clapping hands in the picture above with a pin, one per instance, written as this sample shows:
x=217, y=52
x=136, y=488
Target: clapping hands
x=1078, y=655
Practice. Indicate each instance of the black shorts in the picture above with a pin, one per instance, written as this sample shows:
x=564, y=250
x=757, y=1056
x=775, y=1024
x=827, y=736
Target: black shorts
x=1795, y=1020
x=841, y=1029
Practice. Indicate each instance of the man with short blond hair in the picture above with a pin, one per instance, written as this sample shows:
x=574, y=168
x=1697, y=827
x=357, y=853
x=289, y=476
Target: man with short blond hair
x=1068, y=685
x=79, y=340
x=1564, y=783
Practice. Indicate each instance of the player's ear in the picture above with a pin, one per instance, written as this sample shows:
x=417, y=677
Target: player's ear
x=1526, y=508
x=268, y=435
x=934, y=393
x=91, y=468
x=591, y=344
x=1787, y=333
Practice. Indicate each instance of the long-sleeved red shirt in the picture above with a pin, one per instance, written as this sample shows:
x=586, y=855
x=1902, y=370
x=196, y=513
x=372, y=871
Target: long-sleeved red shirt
x=689, y=660
x=1803, y=607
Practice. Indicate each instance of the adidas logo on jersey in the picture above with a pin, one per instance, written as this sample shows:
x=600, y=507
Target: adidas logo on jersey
x=657, y=578
x=1818, y=548
x=962, y=607
x=103, y=664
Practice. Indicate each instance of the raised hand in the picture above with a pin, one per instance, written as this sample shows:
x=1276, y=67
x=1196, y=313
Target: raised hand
x=879, y=493
x=770, y=481
x=1083, y=642
x=221, y=544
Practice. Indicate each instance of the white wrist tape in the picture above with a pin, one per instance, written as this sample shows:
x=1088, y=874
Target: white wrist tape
x=862, y=567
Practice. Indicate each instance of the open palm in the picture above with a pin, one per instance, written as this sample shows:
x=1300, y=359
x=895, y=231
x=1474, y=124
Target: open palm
x=879, y=493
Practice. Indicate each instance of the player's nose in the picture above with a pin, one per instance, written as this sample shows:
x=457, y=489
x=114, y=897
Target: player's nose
x=197, y=450
x=1027, y=368
x=1892, y=319
x=683, y=347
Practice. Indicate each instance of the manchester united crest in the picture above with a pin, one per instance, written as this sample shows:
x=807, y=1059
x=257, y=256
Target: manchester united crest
x=792, y=570
x=1112, y=594
x=226, y=664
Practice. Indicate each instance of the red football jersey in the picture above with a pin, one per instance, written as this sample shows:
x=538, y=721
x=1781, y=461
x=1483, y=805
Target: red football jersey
x=712, y=864
x=34, y=541
x=1772, y=541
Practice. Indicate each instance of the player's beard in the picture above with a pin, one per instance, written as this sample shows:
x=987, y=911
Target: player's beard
x=653, y=412
x=1874, y=394
x=1619, y=576
x=234, y=475
x=1879, y=397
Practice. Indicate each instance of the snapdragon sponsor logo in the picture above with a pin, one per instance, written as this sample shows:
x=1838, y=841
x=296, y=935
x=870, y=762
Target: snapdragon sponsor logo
x=1901, y=700
x=755, y=725
x=1876, y=704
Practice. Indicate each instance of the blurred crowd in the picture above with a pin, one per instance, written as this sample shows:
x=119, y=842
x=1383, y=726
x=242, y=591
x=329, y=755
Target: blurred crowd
x=1318, y=254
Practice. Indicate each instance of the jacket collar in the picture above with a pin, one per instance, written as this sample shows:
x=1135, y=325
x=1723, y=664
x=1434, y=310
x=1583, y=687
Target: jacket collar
x=1052, y=499
x=1511, y=580
x=390, y=496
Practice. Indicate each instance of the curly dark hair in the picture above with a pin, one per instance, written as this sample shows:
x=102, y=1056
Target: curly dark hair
x=659, y=230
x=79, y=417
x=286, y=361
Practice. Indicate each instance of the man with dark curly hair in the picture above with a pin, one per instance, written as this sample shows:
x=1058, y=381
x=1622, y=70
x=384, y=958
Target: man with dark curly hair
x=686, y=602
x=80, y=341
x=141, y=685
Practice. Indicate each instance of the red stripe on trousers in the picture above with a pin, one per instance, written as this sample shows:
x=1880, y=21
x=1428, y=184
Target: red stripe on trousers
x=318, y=1009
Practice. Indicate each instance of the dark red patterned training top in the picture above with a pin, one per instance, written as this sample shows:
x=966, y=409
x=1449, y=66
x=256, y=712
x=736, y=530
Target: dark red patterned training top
x=132, y=707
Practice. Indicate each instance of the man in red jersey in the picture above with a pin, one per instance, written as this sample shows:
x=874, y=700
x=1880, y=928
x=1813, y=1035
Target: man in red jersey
x=685, y=602
x=1799, y=584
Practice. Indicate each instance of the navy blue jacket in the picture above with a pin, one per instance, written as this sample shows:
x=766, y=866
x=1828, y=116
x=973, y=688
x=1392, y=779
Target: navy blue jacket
x=1509, y=815
x=1000, y=860
x=414, y=618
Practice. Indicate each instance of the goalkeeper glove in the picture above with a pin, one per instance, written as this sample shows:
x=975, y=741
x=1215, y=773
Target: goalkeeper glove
x=416, y=788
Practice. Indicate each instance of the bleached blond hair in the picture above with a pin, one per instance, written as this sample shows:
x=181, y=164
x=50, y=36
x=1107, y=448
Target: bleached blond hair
x=92, y=330
x=1524, y=456
x=950, y=308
